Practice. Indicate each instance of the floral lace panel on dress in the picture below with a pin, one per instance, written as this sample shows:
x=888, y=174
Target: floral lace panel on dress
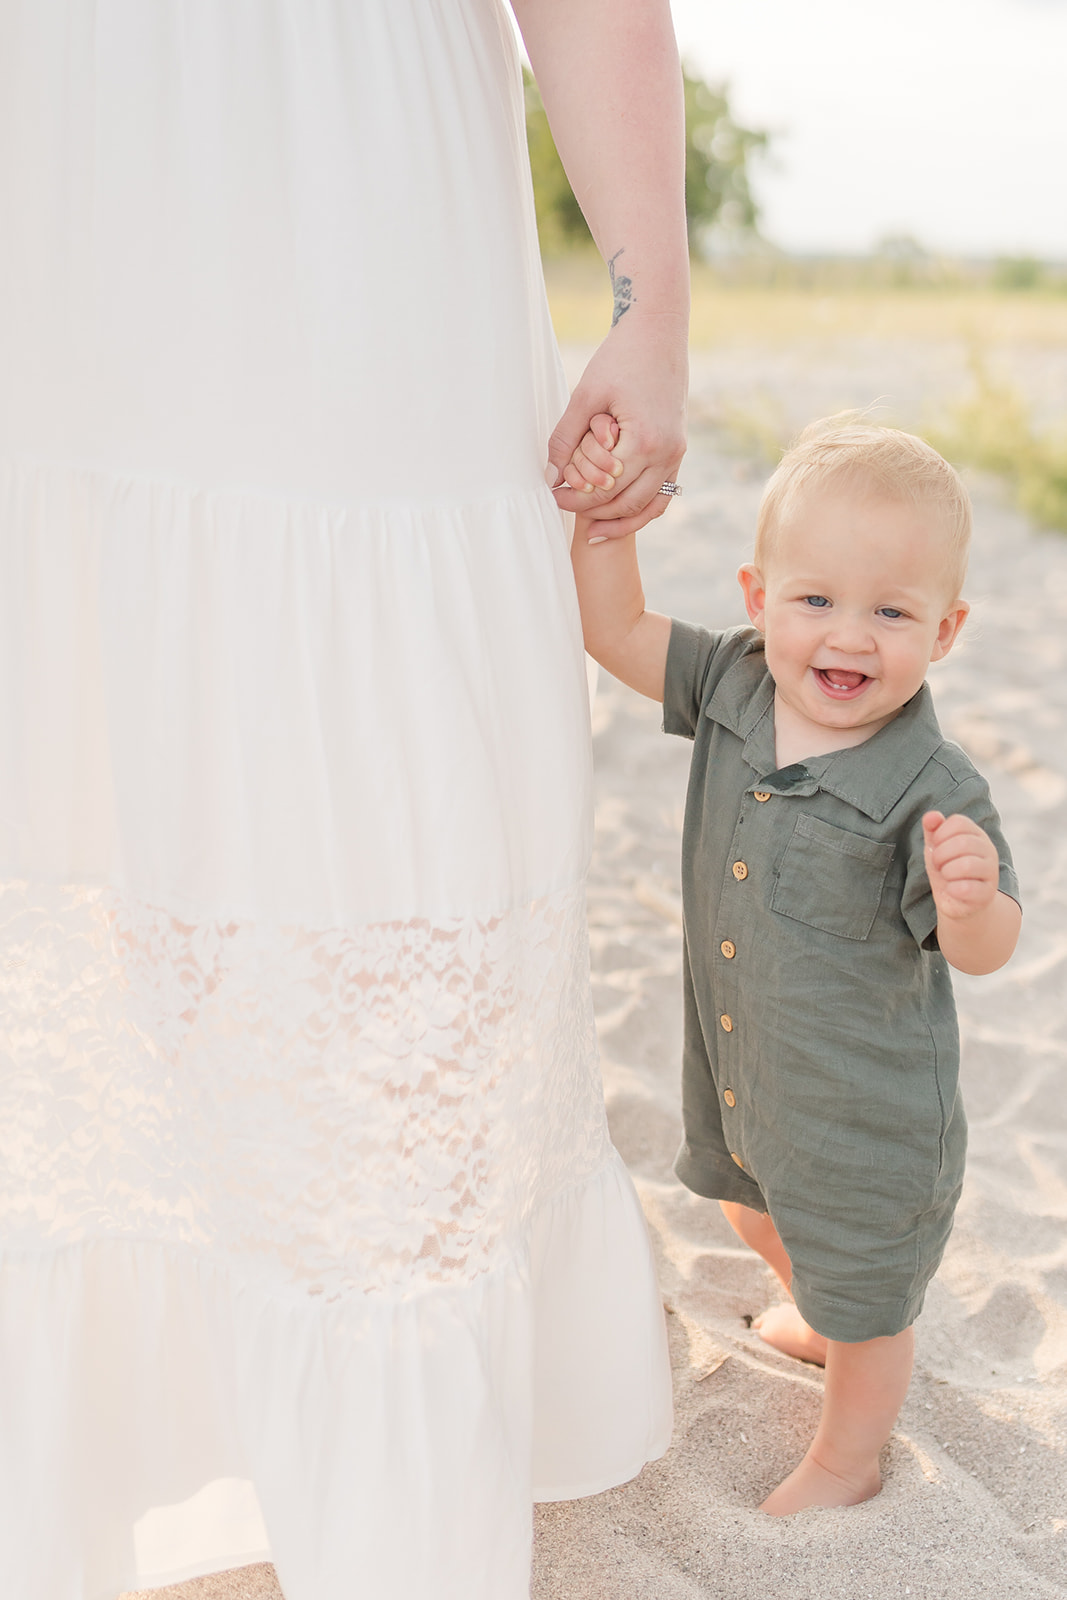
x=335, y=1110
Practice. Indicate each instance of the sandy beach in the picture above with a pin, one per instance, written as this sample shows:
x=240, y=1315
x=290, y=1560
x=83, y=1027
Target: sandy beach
x=975, y=1495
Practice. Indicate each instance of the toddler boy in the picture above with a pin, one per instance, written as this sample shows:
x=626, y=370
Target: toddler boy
x=838, y=856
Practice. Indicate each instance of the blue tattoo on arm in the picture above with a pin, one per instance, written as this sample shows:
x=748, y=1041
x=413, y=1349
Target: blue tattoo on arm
x=622, y=290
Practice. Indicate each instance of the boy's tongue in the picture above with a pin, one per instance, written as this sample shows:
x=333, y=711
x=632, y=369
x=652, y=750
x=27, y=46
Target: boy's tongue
x=843, y=680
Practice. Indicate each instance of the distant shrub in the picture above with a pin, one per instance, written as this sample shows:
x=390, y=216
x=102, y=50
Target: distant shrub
x=1018, y=272
x=993, y=429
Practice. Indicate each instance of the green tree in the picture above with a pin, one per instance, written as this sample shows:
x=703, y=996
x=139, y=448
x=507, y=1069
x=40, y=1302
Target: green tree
x=560, y=223
x=718, y=152
x=717, y=157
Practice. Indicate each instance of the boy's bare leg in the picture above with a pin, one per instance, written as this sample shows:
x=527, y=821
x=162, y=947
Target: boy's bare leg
x=865, y=1388
x=781, y=1326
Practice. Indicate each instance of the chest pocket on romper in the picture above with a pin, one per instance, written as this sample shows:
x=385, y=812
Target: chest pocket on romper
x=831, y=879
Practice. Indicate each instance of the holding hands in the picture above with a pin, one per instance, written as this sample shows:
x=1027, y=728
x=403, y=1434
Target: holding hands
x=611, y=83
x=623, y=435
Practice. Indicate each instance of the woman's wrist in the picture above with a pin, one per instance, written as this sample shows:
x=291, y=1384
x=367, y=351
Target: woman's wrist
x=649, y=290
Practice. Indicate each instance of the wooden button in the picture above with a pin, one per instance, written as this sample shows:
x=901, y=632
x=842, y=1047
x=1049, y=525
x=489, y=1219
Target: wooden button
x=726, y=1023
x=737, y=1158
x=729, y=1096
x=740, y=870
x=729, y=949
x=761, y=795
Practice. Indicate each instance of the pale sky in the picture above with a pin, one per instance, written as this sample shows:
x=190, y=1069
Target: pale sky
x=944, y=119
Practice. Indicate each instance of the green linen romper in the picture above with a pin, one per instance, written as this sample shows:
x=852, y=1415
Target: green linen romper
x=821, y=1056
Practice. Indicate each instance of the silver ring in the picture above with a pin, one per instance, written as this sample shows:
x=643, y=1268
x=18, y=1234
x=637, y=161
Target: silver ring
x=670, y=488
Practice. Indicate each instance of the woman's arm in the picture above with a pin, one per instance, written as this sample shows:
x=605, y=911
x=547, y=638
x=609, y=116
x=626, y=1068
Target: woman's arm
x=611, y=83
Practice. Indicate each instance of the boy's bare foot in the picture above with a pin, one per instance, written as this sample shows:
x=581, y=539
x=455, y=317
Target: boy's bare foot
x=784, y=1328
x=813, y=1485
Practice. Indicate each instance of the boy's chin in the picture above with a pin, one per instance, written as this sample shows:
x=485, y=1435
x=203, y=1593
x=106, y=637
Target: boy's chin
x=837, y=713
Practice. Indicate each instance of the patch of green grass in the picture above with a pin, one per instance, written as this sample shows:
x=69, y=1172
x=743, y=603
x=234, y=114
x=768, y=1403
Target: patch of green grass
x=814, y=314
x=993, y=429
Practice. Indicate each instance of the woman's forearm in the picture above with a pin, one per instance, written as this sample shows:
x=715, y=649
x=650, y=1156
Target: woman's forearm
x=610, y=79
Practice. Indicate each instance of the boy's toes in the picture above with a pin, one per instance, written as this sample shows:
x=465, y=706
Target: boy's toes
x=784, y=1328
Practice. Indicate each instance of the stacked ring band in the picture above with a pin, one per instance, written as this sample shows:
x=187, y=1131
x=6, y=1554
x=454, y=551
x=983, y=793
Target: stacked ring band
x=670, y=488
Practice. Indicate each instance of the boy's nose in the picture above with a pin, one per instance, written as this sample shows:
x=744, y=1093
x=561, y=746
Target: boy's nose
x=851, y=635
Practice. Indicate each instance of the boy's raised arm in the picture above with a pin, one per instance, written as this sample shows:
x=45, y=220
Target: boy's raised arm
x=977, y=924
x=629, y=641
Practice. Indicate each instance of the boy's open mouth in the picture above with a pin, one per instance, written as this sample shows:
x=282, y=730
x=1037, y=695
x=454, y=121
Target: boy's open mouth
x=841, y=685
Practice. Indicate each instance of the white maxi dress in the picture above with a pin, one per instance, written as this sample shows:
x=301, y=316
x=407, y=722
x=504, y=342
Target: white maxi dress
x=313, y=1246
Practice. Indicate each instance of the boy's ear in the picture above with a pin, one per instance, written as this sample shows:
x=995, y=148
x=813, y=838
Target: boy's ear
x=948, y=630
x=755, y=593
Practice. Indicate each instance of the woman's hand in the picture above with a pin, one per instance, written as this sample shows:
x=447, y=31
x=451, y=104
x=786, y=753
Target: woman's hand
x=611, y=83
x=623, y=434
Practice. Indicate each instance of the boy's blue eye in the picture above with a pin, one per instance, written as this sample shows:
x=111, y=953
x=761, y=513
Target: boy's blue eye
x=819, y=600
x=891, y=612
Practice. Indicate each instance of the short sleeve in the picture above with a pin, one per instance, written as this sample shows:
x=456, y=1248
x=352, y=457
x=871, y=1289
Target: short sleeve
x=696, y=660
x=970, y=798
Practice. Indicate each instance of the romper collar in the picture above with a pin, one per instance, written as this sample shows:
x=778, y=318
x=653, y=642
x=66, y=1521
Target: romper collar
x=872, y=776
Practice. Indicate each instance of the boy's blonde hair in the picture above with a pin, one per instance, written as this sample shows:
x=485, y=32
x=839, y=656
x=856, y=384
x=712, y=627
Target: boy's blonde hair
x=844, y=451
